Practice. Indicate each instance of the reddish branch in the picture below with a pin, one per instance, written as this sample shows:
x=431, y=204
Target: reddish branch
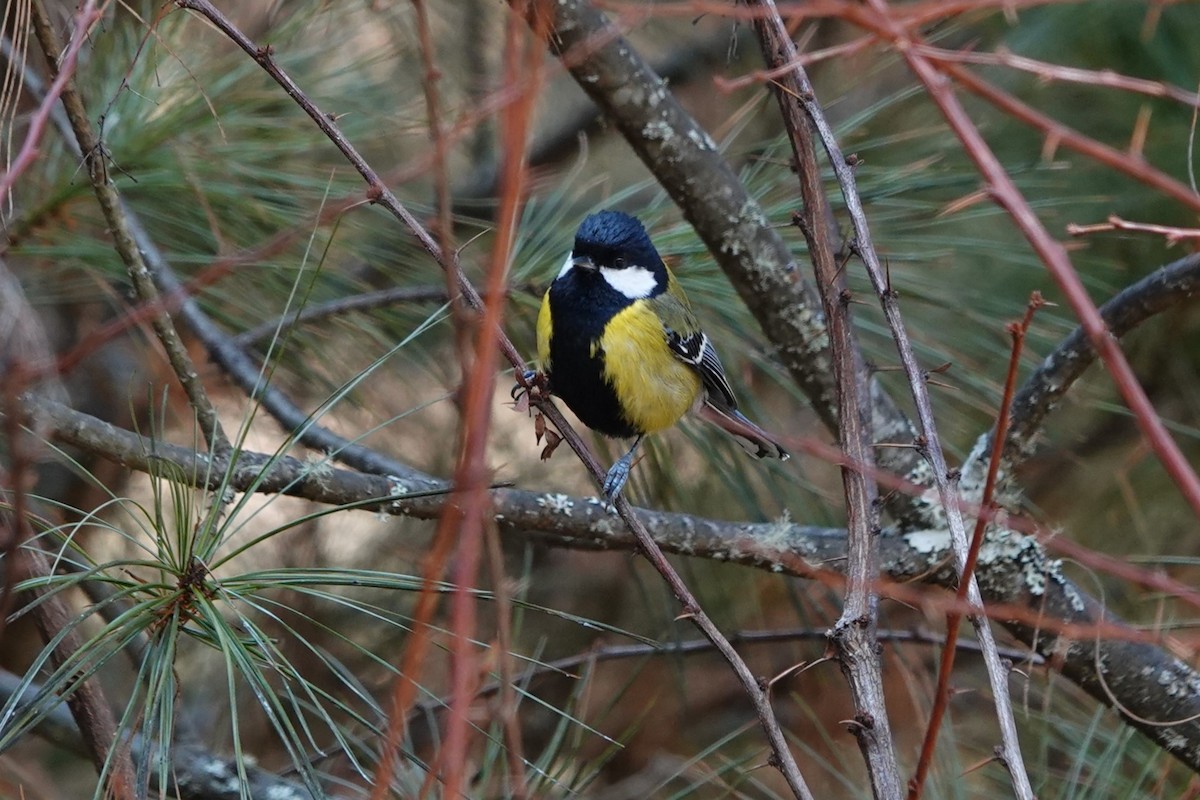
x=941, y=697
x=1059, y=134
x=472, y=479
x=1048, y=72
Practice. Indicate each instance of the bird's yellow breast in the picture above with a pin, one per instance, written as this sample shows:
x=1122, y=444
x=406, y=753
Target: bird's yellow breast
x=654, y=387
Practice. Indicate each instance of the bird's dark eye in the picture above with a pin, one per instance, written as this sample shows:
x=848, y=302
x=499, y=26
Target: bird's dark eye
x=619, y=262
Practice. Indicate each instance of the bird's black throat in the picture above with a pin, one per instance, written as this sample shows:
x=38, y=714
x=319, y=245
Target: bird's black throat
x=581, y=304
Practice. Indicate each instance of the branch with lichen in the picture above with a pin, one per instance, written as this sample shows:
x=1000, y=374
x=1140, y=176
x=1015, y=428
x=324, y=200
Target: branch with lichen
x=1025, y=590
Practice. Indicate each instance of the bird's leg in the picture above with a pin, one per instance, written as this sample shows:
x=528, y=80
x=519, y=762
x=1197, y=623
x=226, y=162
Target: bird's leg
x=618, y=474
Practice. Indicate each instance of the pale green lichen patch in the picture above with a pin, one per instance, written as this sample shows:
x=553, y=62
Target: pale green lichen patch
x=556, y=502
x=1179, y=680
x=1009, y=552
x=778, y=534
x=928, y=543
x=658, y=131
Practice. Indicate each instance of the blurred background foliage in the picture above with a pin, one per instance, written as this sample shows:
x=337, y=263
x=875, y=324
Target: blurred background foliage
x=216, y=160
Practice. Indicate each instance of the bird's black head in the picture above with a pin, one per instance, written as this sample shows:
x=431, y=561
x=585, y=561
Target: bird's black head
x=615, y=240
x=615, y=246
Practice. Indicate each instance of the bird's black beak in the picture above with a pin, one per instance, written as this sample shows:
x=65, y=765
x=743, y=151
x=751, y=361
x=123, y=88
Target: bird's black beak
x=584, y=262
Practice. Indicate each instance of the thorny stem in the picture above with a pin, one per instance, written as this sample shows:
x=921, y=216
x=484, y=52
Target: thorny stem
x=1057, y=134
x=441, y=179
x=612, y=652
x=1175, y=283
x=853, y=636
x=930, y=442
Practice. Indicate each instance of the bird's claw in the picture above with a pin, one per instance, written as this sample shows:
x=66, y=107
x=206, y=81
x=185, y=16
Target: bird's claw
x=533, y=383
x=616, y=478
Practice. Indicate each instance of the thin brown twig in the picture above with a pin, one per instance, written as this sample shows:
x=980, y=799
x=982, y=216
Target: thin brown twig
x=454, y=522
x=615, y=652
x=912, y=16
x=514, y=749
x=366, y=301
x=1172, y=234
x=1058, y=134
x=853, y=636
x=922, y=13
x=441, y=179
x=1047, y=72
x=941, y=695
x=472, y=477
x=843, y=50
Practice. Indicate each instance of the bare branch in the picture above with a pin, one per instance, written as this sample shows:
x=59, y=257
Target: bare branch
x=1047, y=72
x=941, y=701
x=1173, y=235
x=853, y=636
x=1050, y=251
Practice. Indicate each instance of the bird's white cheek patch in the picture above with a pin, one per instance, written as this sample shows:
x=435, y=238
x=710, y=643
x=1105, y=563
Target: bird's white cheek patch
x=633, y=282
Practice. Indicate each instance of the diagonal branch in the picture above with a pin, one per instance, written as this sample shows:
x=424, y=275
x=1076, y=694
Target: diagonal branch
x=86, y=699
x=1057, y=133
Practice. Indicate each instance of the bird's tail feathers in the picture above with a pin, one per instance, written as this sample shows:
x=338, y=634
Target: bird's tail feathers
x=753, y=439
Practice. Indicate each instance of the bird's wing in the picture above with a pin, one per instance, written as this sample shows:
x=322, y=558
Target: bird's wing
x=695, y=350
x=690, y=344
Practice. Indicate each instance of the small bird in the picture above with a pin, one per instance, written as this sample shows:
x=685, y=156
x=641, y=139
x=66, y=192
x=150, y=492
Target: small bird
x=618, y=342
